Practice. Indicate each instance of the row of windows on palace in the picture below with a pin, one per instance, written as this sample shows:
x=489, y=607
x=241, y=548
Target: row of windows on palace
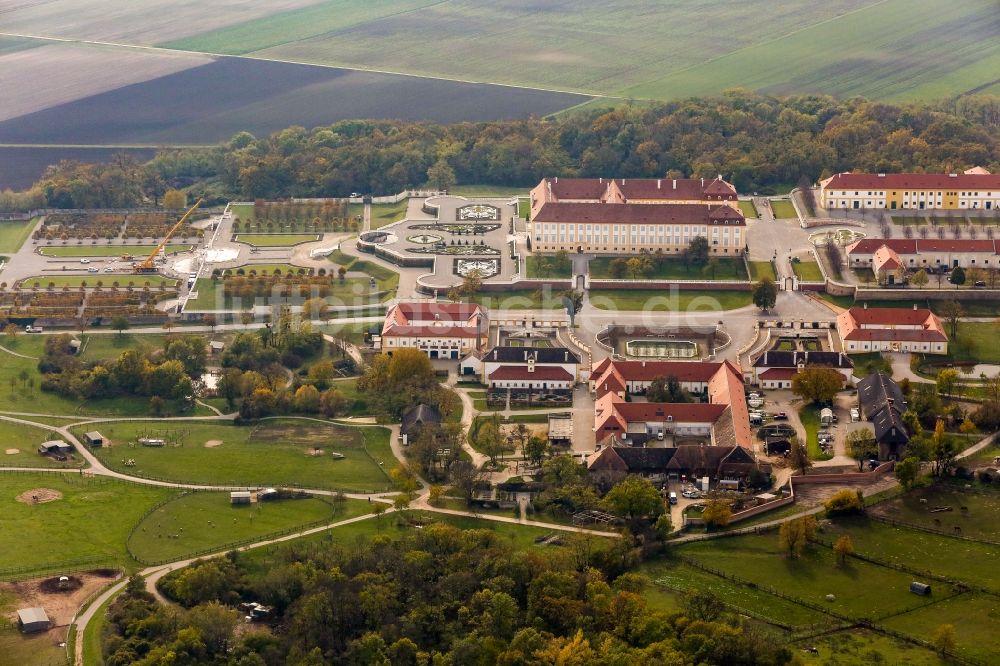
x=554, y=232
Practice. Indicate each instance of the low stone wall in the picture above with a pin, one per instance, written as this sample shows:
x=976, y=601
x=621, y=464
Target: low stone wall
x=660, y=285
x=839, y=288
x=866, y=294
x=848, y=477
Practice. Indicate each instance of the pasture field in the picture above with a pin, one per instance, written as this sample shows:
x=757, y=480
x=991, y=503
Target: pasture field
x=957, y=559
x=91, y=280
x=30, y=649
x=276, y=240
x=861, y=646
x=274, y=453
x=30, y=398
x=979, y=522
x=861, y=589
x=974, y=616
x=13, y=234
x=20, y=447
x=106, y=250
x=681, y=301
x=91, y=522
x=783, y=209
x=727, y=268
x=203, y=521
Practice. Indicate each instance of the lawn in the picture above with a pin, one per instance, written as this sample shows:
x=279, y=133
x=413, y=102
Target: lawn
x=92, y=280
x=861, y=590
x=89, y=525
x=520, y=299
x=748, y=209
x=977, y=341
x=352, y=291
x=808, y=271
x=727, y=268
x=979, y=522
x=382, y=214
x=20, y=447
x=762, y=269
x=957, y=559
x=272, y=453
x=107, y=250
x=783, y=209
x=489, y=191
x=203, y=522
x=109, y=346
x=809, y=415
x=13, y=235
x=276, y=240
x=674, y=301
x=541, y=266
x=975, y=618
x=866, y=364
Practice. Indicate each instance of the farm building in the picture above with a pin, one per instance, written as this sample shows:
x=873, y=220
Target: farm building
x=417, y=418
x=776, y=369
x=891, y=329
x=94, y=439
x=912, y=191
x=216, y=347
x=32, y=620
x=240, y=497
x=55, y=447
x=882, y=403
x=560, y=429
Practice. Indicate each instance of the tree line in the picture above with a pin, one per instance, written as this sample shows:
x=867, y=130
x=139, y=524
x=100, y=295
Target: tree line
x=757, y=142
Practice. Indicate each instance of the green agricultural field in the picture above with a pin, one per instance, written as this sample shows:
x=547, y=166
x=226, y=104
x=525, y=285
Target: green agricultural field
x=20, y=447
x=89, y=524
x=92, y=280
x=861, y=589
x=197, y=523
x=783, y=210
x=956, y=559
x=978, y=522
x=889, y=49
x=272, y=453
x=107, y=250
x=762, y=269
x=726, y=268
x=680, y=301
x=748, y=209
x=975, y=618
x=276, y=240
x=13, y=234
x=808, y=271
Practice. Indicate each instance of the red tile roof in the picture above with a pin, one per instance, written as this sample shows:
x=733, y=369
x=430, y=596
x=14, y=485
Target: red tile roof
x=430, y=331
x=639, y=371
x=916, y=246
x=439, y=311
x=541, y=373
x=889, y=316
x=683, y=189
x=611, y=213
x=577, y=188
x=680, y=411
x=779, y=374
x=912, y=181
x=897, y=335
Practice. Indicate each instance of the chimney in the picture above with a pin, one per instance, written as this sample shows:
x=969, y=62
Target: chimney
x=557, y=180
x=566, y=356
x=658, y=183
x=881, y=175
x=953, y=175
x=601, y=180
x=866, y=305
x=675, y=183
x=914, y=307
x=703, y=182
x=525, y=354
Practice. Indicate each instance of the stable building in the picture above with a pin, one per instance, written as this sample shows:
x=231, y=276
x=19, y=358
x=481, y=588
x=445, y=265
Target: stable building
x=972, y=190
x=33, y=620
x=729, y=466
x=885, y=255
x=529, y=357
x=881, y=402
x=440, y=330
x=891, y=329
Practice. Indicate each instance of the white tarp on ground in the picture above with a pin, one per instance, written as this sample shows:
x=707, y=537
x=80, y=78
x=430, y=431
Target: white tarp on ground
x=221, y=255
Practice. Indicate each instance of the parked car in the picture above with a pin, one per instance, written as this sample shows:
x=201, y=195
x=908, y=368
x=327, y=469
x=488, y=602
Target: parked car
x=691, y=494
x=85, y=261
x=980, y=284
x=755, y=402
x=780, y=416
x=673, y=498
x=109, y=269
x=93, y=269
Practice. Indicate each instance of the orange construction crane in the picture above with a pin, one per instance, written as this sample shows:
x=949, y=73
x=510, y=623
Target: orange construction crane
x=149, y=265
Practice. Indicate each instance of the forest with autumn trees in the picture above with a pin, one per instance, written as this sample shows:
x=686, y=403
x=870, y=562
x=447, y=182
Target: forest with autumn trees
x=757, y=142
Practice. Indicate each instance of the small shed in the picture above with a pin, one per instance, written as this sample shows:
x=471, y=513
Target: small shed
x=417, y=418
x=826, y=416
x=923, y=589
x=560, y=429
x=777, y=446
x=216, y=347
x=54, y=447
x=239, y=497
x=151, y=441
x=94, y=439
x=32, y=620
